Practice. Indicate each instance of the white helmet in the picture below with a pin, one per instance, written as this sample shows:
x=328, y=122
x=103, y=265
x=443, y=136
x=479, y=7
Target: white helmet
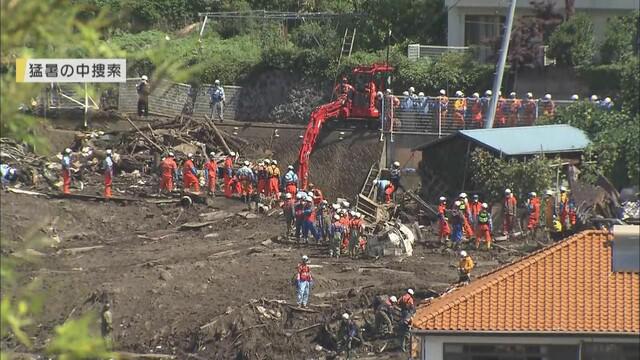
x=463, y=253
x=575, y=97
x=420, y=93
x=393, y=299
x=476, y=95
x=246, y=163
x=189, y=155
x=233, y=153
x=212, y=154
x=336, y=217
x=410, y=291
x=396, y=163
x=299, y=196
x=607, y=100
x=442, y=198
x=533, y=194
x=67, y=151
x=335, y=206
x=485, y=205
x=310, y=194
x=530, y=95
x=499, y=93
x=274, y=162
x=261, y=163
x=345, y=316
x=305, y=258
x=308, y=199
x=324, y=201
x=375, y=182
x=488, y=93
x=144, y=77
x=171, y=154
x=463, y=195
x=405, y=93
x=512, y=94
x=443, y=92
x=457, y=203
x=216, y=82
x=290, y=167
x=267, y=161
x=459, y=93
x=412, y=89
x=287, y=196
x=547, y=96
x=562, y=188
x=548, y=192
x=594, y=97
x=507, y=191
x=388, y=91
x=108, y=151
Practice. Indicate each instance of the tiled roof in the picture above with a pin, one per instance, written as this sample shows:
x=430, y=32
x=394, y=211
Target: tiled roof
x=567, y=287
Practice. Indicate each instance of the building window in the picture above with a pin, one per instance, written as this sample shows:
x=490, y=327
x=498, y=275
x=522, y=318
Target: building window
x=509, y=352
x=597, y=351
x=482, y=29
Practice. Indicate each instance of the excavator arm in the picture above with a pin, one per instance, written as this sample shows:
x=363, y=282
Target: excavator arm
x=318, y=117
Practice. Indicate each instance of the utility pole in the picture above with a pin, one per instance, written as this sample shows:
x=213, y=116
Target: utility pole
x=497, y=80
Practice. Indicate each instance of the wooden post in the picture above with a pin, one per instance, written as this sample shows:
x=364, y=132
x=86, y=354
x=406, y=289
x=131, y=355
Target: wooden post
x=86, y=105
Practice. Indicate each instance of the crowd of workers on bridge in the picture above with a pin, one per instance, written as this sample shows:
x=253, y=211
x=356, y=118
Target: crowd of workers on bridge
x=471, y=111
x=471, y=220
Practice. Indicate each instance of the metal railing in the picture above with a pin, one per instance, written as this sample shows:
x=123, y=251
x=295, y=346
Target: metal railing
x=417, y=51
x=424, y=116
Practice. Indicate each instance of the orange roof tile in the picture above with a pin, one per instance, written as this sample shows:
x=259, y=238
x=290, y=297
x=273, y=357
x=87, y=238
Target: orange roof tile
x=566, y=287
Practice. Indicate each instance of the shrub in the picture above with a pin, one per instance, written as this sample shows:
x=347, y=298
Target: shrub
x=573, y=42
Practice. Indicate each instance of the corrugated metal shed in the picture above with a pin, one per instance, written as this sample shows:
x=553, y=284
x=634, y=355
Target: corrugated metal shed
x=524, y=140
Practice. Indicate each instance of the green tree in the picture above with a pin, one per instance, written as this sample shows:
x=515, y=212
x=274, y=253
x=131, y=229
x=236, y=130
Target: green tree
x=621, y=38
x=573, y=42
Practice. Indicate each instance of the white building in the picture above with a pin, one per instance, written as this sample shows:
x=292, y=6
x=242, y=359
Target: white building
x=578, y=299
x=471, y=22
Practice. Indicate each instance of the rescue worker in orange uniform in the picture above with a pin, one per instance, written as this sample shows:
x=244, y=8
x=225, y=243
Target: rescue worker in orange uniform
x=502, y=107
x=290, y=181
x=474, y=209
x=509, y=212
x=107, y=168
x=66, y=171
x=211, y=173
x=304, y=281
x=444, y=229
x=565, y=209
x=246, y=179
x=548, y=106
x=533, y=207
x=227, y=174
x=459, y=109
x=169, y=170
x=344, y=88
x=263, y=178
x=465, y=265
x=407, y=304
x=514, y=109
x=549, y=210
x=317, y=194
x=336, y=231
x=476, y=111
x=356, y=226
x=274, y=179
x=345, y=220
x=485, y=226
x=466, y=212
x=189, y=172
x=530, y=110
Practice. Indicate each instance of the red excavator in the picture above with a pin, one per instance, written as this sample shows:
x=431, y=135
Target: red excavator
x=356, y=103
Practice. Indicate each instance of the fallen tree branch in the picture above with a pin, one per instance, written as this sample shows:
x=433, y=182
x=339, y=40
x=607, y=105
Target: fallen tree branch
x=145, y=136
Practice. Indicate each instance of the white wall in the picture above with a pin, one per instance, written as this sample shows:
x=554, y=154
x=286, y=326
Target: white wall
x=598, y=10
x=432, y=346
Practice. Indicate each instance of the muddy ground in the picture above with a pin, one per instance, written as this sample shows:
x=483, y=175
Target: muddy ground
x=222, y=291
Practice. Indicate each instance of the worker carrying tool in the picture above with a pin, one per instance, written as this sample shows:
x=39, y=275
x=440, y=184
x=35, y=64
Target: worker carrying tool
x=304, y=282
x=211, y=173
x=107, y=170
x=290, y=181
x=465, y=265
x=227, y=174
x=66, y=171
x=169, y=172
x=485, y=226
x=189, y=175
x=508, y=212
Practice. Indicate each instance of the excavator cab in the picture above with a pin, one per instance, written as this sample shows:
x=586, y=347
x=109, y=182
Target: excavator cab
x=367, y=82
